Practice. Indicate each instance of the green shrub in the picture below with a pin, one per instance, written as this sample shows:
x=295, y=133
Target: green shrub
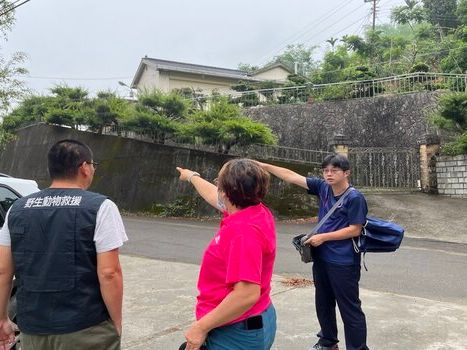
x=456, y=147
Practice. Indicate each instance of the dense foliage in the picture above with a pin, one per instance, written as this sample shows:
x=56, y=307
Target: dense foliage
x=431, y=33
x=11, y=70
x=155, y=115
x=452, y=116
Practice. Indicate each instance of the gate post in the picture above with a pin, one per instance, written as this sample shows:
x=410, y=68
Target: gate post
x=340, y=144
x=429, y=149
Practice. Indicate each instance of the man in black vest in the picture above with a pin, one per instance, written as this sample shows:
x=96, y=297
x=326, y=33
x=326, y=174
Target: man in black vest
x=62, y=245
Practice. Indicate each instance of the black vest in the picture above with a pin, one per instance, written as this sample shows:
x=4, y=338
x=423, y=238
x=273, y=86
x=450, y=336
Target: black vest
x=55, y=261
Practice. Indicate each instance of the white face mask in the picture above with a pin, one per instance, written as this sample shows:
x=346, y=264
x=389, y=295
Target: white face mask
x=220, y=202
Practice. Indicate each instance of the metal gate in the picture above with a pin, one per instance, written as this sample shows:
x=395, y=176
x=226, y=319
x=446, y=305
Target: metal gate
x=385, y=167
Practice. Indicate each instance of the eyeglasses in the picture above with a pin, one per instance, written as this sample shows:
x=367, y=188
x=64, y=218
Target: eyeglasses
x=94, y=164
x=331, y=171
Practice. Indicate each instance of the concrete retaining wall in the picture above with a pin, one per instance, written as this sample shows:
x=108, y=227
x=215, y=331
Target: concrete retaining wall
x=451, y=173
x=140, y=175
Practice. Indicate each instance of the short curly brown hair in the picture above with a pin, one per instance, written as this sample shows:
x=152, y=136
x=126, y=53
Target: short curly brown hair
x=244, y=182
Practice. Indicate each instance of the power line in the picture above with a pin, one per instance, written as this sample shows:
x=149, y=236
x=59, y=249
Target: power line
x=366, y=17
x=337, y=21
x=12, y=7
x=75, y=79
x=304, y=31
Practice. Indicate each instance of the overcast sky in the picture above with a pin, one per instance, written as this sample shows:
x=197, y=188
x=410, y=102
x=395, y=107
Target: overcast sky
x=96, y=43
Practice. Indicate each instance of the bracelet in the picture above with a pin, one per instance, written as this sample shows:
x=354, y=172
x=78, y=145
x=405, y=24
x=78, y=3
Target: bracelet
x=194, y=173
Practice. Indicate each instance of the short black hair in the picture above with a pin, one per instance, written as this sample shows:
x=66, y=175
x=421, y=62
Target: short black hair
x=65, y=157
x=336, y=160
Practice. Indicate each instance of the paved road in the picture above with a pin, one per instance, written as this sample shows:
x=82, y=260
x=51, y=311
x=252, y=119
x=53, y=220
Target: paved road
x=424, y=268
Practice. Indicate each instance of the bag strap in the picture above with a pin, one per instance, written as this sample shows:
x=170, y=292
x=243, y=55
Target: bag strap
x=328, y=214
x=356, y=245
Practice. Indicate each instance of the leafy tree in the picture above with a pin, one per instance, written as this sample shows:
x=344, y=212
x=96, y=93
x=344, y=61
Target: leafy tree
x=108, y=110
x=333, y=65
x=172, y=105
x=195, y=96
x=332, y=41
x=452, y=115
x=147, y=122
x=411, y=13
x=245, y=67
x=456, y=59
x=224, y=126
x=11, y=70
x=298, y=54
x=441, y=13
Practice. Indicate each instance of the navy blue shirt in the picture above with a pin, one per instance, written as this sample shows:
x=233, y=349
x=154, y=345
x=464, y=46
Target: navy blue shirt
x=352, y=211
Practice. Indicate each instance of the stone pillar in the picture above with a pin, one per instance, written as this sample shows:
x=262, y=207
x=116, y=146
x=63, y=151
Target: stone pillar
x=340, y=144
x=429, y=150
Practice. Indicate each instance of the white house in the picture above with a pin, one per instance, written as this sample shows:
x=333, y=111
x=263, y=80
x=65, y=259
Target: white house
x=166, y=76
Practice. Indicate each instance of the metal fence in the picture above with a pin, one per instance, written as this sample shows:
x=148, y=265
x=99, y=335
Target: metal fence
x=281, y=153
x=400, y=84
x=371, y=167
x=385, y=167
x=257, y=151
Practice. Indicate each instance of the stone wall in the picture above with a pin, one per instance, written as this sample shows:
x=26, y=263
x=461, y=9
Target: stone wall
x=140, y=175
x=383, y=121
x=452, y=176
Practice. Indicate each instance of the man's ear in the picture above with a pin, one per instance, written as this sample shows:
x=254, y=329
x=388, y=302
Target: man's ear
x=83, y=169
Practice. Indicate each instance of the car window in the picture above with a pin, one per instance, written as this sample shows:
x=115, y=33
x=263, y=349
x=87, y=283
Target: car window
x=7, y=198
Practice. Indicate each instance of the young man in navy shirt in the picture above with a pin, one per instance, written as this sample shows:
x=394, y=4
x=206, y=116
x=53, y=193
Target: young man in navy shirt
x=336, y=266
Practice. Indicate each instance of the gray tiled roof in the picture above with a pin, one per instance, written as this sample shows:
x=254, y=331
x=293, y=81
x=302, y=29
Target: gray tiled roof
x=195, y=68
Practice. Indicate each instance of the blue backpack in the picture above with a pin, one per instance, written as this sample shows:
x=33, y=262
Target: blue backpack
x=378, y=236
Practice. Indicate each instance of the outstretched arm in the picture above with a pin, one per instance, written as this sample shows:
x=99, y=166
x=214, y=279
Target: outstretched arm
x=205, y=189
x=285, y=174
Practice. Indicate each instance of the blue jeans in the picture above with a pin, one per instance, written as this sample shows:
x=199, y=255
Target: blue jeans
x=236, y=337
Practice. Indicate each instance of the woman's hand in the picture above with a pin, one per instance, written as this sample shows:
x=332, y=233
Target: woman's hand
x=195, y=336
x=185, y=174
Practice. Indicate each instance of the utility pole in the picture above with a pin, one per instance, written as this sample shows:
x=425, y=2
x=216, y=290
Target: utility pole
x=374, y=12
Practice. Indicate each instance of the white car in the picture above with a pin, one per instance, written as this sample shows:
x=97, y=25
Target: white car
x=11, y=189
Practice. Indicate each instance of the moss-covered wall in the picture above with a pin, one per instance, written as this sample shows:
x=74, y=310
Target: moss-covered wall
x=140, y=175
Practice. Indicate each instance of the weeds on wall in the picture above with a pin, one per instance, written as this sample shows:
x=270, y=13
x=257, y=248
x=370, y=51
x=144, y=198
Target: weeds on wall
x=182, y=206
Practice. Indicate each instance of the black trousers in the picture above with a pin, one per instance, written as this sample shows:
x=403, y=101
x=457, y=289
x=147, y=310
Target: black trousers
x=339, y=284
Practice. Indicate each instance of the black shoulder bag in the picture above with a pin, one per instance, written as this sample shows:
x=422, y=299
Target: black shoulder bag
x=305, y=250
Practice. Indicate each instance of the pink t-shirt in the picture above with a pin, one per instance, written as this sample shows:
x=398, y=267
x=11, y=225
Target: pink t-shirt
x=243, y=249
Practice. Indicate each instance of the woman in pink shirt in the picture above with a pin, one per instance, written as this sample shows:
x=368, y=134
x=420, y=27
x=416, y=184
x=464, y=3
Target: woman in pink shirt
x=234, y=309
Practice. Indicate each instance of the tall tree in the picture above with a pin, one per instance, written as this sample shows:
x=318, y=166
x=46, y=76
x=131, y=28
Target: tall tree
x=441, y=13
x=411, y=13
x=11, y=86
x=224, y=126
x=300, y=56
